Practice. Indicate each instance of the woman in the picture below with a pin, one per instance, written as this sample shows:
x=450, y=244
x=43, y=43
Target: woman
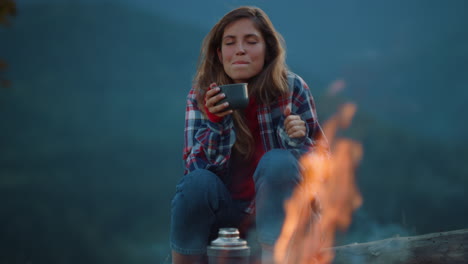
x=241, y=163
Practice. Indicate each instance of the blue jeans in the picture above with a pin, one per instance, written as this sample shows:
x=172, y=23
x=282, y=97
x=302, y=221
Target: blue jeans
x=202, y=204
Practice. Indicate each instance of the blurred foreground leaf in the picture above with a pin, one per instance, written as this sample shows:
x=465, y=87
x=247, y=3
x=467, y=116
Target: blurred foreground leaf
x=3, y=82
x=7, y=8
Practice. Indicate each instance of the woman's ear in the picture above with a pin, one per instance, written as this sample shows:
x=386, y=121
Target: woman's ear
x=220, y=55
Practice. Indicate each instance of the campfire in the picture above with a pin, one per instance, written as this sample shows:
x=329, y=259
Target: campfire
x=325, y=200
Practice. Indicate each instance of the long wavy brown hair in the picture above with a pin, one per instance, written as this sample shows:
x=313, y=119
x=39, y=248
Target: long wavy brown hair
x=269, y=84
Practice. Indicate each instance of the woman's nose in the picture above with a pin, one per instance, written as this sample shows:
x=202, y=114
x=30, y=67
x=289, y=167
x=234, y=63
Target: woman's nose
x=240, y=49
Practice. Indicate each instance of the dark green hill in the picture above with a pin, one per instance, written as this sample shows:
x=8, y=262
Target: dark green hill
x=92, y=132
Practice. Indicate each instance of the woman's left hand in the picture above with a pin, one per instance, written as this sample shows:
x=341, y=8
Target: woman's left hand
x=294, y=125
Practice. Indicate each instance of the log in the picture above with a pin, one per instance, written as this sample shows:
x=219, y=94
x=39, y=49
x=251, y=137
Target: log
x=445, y=247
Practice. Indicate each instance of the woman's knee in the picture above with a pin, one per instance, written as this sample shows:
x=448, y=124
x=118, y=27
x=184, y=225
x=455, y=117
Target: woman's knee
x=198, y=197
x=197, y=183
x=198, y=191
x=278, y=166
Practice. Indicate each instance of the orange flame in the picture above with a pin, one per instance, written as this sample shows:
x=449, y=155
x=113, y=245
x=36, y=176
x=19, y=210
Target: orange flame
x=325, y=199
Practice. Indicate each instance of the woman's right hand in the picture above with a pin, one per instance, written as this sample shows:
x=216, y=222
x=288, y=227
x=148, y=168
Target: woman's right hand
x=212, y=97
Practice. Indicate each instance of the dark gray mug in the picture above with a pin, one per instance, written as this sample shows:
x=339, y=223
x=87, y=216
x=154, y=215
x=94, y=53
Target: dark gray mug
x=237, y=95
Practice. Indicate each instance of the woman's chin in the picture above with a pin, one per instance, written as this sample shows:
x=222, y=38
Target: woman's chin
x=241, y=78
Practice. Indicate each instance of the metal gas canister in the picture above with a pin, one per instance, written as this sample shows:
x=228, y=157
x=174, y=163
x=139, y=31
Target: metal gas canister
x=228, y=248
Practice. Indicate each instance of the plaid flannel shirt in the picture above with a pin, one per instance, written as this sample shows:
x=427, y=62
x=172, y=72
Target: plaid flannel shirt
x=208, y=145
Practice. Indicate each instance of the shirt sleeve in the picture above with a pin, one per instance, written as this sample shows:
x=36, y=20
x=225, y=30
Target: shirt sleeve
x=302, y=104
x=207, y=144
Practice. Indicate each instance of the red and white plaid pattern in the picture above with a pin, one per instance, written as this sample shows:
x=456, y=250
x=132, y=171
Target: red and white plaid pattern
x=208, y=145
